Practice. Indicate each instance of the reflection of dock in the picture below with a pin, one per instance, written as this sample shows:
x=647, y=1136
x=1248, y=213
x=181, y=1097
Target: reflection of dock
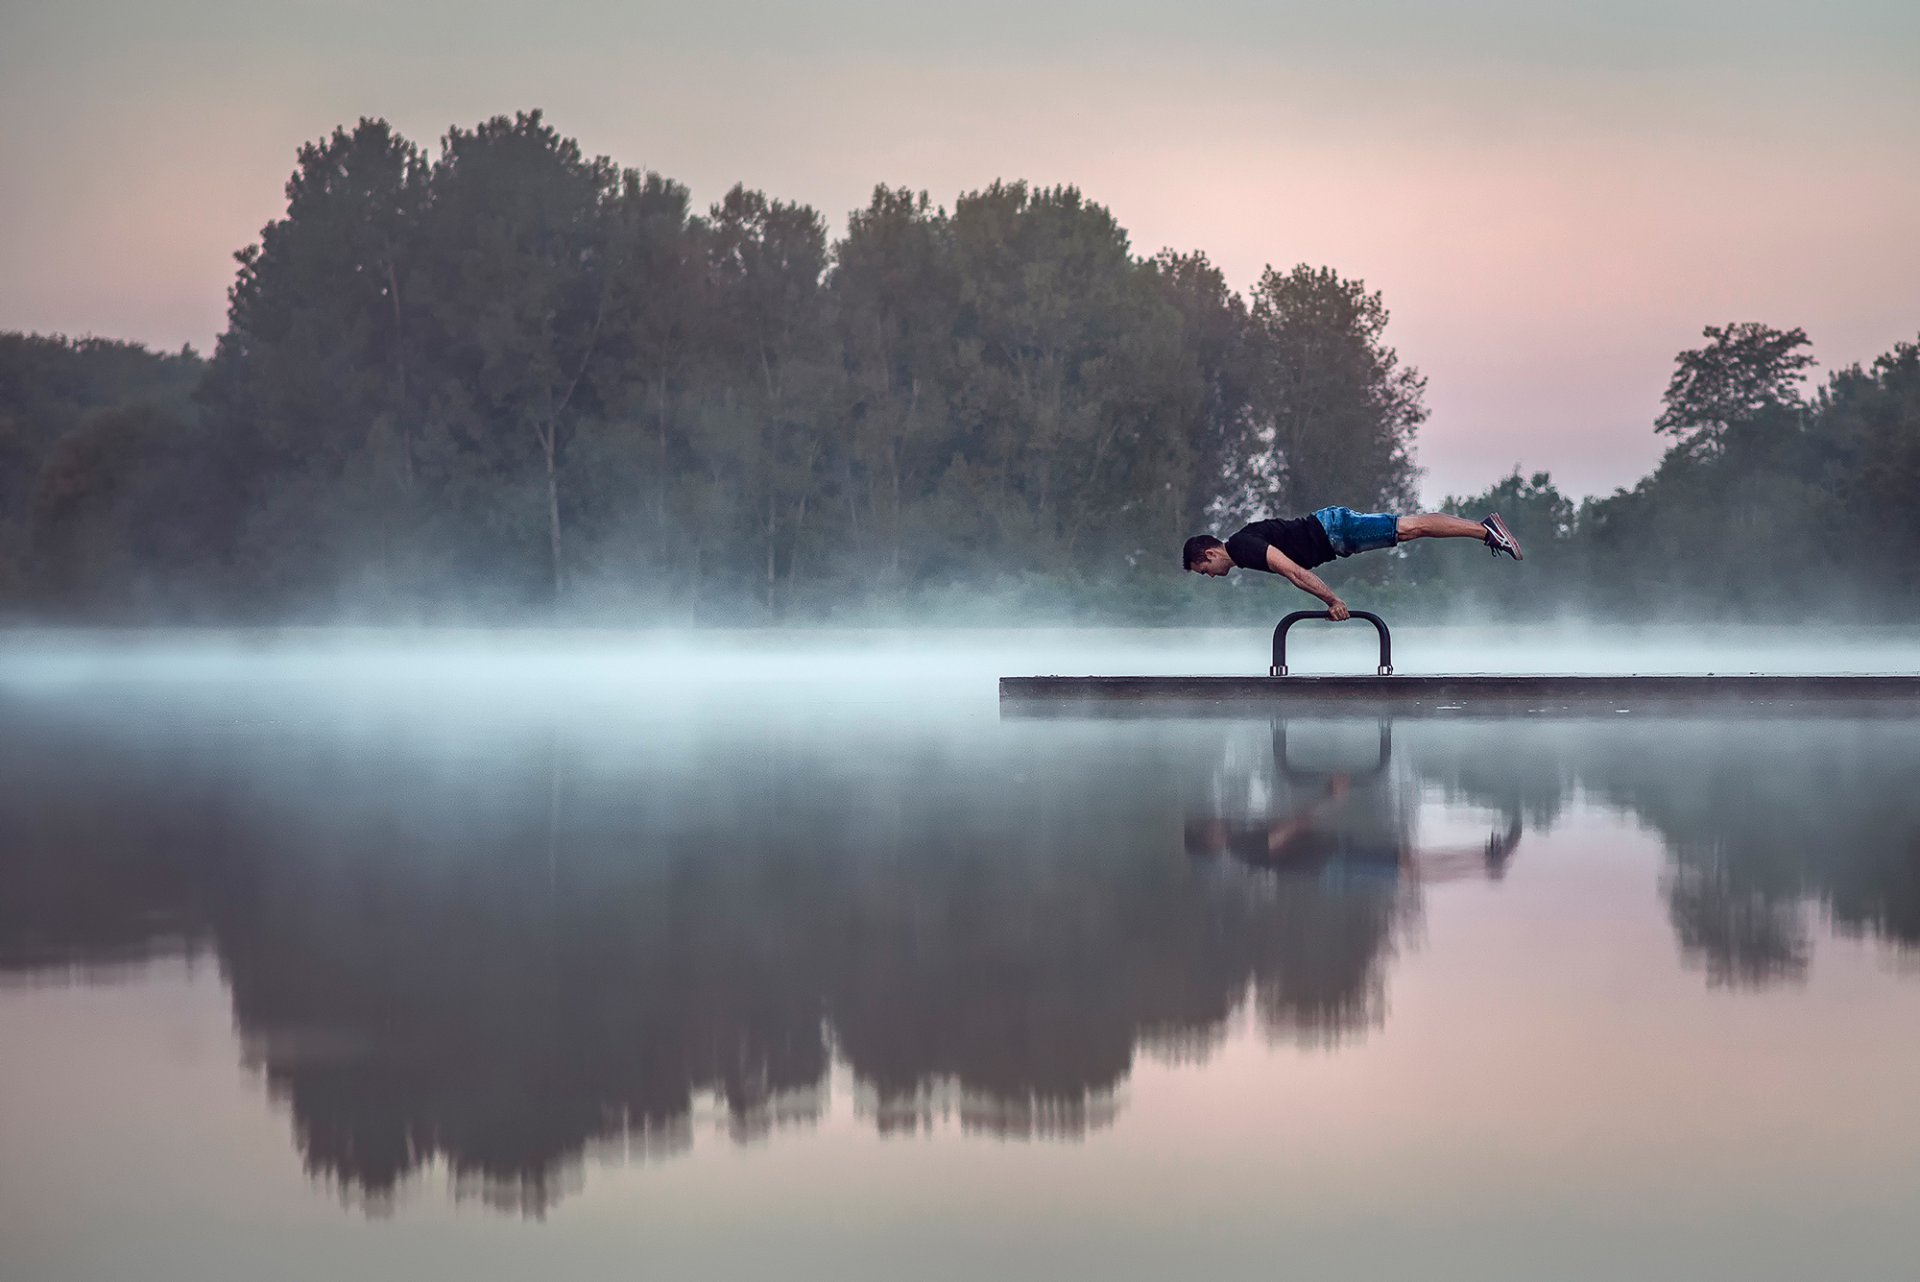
x=1452, y=695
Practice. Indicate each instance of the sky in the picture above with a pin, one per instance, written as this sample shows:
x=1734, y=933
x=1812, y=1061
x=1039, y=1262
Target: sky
x=1553, y=198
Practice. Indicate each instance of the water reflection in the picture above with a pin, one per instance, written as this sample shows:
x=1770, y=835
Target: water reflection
x=1344, y=825
x=1769, y=827
x=505, y=951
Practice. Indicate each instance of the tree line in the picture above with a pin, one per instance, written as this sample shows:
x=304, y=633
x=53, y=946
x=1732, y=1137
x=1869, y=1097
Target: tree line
x=1770, y=502
x=510, y=379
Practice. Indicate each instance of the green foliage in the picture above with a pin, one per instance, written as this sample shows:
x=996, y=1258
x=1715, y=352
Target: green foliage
x=1768, y=505
x=118, y=526
x=67, y=412
x=1745, y=368
x=1334, y=410
x=513, y=377
x=1446, y=577
x=1871, y=437
x=316, y=385
x=513, y=374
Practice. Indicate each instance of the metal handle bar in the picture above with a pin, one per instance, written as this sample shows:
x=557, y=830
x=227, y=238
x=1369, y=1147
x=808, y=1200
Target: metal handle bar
x=1383, y=757
x=1279, y=668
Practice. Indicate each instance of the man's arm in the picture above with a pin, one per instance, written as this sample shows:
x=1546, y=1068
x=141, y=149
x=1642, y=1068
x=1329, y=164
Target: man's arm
x=1304, y=579
x=1283, y=832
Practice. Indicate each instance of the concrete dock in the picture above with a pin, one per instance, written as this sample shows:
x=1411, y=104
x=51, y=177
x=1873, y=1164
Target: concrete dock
x=1446, y=695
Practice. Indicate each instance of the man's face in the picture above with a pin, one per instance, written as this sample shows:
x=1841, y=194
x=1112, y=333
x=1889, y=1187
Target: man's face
x=1213, y=562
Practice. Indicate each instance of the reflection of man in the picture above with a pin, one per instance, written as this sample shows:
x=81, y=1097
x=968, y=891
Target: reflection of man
x=1313, y=840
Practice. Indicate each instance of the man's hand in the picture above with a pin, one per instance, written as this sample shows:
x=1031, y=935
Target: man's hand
x=1306, y=580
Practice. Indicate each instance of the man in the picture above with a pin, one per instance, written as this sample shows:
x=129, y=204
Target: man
x=1291, y=548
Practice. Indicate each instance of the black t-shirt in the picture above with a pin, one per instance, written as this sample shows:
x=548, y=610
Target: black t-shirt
x=1313, y=850
x=1303, y=539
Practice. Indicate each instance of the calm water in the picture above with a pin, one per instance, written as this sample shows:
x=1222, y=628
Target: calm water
x=460, y=957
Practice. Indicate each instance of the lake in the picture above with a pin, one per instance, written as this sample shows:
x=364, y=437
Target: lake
x=461, y=955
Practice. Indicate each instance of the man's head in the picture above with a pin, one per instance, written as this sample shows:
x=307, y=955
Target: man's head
x=1205, y=554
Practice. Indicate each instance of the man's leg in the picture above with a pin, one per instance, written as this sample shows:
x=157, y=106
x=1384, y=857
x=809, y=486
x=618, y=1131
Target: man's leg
x=1437, y=525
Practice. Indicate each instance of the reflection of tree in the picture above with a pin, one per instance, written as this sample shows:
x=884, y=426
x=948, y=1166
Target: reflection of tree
x=1324, y=953
x=500, y=955
x=1333, y=833
x=1742, y=935
x=1293, y=822
x=1759, y=817
x=500, y=963
x=88, y=885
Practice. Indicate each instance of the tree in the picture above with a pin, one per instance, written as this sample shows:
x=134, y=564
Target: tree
x=1062, y=386
x=519, y=287
x=659, y=325
x=1218, y=433
x=896, y=299
x=1334, y=411
x=52, y=389
x=315, y=381
x=766, y=260
x=1744, y=368
x=1870, y=420
x=1544, y=520
x=122, y=517
x=1532, y=506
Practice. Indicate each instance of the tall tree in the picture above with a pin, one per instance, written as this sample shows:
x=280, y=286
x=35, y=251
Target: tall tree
x=767, y=259
x=313, y=377
x=895, y=295
x=519, y=287
x=657, y=257
x=1059, y=371
x=1217, y=432
x=1334, y=410
x=1870, y=419
x=1744, y=369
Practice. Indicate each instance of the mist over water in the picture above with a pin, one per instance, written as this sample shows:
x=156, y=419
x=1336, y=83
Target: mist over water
x=734, y=952
x=836, y=666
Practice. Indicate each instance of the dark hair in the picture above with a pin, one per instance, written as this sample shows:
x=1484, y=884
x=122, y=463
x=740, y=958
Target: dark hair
x=1196, y=547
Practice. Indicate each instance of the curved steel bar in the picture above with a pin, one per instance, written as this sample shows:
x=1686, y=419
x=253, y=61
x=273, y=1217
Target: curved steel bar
x=1279, y=668
x=1284, y=764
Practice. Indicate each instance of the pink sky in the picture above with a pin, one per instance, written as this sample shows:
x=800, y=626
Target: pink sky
x=1552, y=200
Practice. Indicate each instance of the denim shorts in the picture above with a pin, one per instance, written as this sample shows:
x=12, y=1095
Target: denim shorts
x=1350, y=531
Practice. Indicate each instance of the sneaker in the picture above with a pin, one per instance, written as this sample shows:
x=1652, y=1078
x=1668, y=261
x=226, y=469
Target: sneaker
x=1500, y=849
x=1500, y=538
